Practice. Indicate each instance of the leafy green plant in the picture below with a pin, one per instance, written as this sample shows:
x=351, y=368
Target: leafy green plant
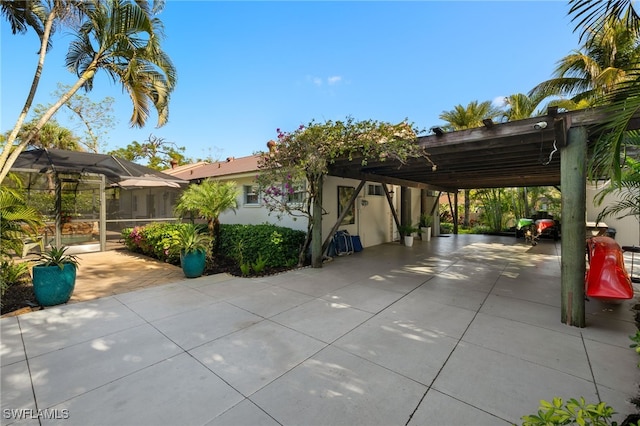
x=572, y=412
x=245, y=269
x=12, y=273
x=425, y=221
x=446, y=227
x=189, y=239
x=259, y=264
x=56, y=256
x=406, y=230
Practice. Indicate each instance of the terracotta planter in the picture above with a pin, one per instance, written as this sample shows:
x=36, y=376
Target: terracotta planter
x=52, y=285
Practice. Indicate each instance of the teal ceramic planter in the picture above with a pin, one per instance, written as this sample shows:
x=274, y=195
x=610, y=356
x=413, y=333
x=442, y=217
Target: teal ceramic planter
x=193, y=263
x=52, y=285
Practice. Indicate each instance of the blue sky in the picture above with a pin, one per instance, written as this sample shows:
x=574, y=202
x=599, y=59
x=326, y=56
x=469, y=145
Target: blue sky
x=248, y=68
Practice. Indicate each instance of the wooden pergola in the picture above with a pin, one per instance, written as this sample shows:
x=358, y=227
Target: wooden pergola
x=550, y=150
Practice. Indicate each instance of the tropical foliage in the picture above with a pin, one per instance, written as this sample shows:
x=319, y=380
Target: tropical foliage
x=605, y=72
x=119, y=37
x=208, y=200
x=155, y=152
x=306, y=153
x=627, y=191
x=17, y=221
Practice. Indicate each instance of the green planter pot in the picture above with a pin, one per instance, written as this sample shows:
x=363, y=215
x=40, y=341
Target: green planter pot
x=52, y=285
x=193, y=263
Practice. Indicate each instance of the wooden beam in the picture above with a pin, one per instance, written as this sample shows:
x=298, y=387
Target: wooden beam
x=573, y=263
x=325, y=244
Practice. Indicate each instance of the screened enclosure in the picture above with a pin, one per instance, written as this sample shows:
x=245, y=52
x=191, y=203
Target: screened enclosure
x=87, y=199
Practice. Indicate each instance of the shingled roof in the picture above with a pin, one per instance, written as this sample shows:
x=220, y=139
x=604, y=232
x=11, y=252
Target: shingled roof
x=229, y=167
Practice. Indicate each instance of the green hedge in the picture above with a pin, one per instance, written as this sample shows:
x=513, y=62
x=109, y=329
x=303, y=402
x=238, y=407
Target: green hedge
x=277, y=246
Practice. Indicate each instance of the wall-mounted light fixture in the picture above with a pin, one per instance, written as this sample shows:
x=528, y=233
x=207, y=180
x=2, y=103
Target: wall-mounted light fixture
x=437, y=130
x=364, y=202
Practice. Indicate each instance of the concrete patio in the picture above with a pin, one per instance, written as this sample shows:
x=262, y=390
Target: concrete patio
x=461, y=330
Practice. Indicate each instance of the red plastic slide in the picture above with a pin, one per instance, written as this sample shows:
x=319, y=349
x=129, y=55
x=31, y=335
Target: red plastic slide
x=606, y=277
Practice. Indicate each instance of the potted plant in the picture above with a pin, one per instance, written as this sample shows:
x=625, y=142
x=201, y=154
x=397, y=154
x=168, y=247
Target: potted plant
x=407, y=231
x=54, y=276
x=425, y=227
x=194, y=247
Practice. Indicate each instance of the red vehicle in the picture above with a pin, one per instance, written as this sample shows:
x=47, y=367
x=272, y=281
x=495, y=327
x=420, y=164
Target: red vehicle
x=606, y=278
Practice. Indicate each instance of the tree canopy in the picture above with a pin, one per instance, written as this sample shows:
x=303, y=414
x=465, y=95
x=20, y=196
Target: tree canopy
x=119, y=37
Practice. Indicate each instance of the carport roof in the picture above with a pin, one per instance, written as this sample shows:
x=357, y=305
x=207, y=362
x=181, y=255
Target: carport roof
x=517, y=153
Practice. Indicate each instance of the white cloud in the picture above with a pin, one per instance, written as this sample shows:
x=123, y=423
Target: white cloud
x=320, y=81
x=499, y=101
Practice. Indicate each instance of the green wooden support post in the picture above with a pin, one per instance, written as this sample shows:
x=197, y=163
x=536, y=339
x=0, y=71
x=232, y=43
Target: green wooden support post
x=573, y=182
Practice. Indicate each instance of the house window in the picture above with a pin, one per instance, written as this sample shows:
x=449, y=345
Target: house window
x=375, y=190
x=296, y=193
x=251, y=195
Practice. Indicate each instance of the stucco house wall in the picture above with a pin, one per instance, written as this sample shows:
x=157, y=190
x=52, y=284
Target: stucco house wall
x=372, y=217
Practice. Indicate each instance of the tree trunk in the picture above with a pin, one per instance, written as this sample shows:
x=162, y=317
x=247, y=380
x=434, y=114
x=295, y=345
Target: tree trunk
x=316, y=239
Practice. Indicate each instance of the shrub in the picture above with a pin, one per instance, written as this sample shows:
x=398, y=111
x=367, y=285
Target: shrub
x=572, y=412
x=446, y=228
x=154, y=240
x=263, y=245
x=276, y=246
x=12, y=273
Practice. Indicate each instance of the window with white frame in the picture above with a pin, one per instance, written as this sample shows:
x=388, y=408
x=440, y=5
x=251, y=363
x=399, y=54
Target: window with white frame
x=251, y=195
x=375, y=190
x=295, y=193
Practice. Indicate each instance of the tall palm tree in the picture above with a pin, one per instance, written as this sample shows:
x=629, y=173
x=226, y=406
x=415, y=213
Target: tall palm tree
x=119, y=37
x=208, y=200
x=460, y=118
x=589, y=74
x=624, y=99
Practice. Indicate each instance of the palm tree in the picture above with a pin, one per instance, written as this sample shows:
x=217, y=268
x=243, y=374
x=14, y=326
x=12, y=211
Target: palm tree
x=627, y=191
x=588, y=75
x=460, y=118
x=605, y=72
x=51, y=135
x=17, y=220
x=119, y=37
x=208, y=200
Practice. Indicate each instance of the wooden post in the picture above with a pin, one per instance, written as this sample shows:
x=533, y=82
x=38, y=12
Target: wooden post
x=455, y=213
x=573, y=182
x=336, y=225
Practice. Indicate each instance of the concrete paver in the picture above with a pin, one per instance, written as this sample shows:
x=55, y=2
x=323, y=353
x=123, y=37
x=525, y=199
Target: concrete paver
x=460, y=330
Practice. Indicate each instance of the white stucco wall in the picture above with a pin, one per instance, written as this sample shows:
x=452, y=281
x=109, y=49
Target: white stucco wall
x=373, y=219
x=251, y=214
x=627, y=229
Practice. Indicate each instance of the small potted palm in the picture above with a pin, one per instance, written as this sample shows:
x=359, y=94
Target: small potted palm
x=425, y=227
x=194, y=247
x=407, y=231
x=54, y=276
